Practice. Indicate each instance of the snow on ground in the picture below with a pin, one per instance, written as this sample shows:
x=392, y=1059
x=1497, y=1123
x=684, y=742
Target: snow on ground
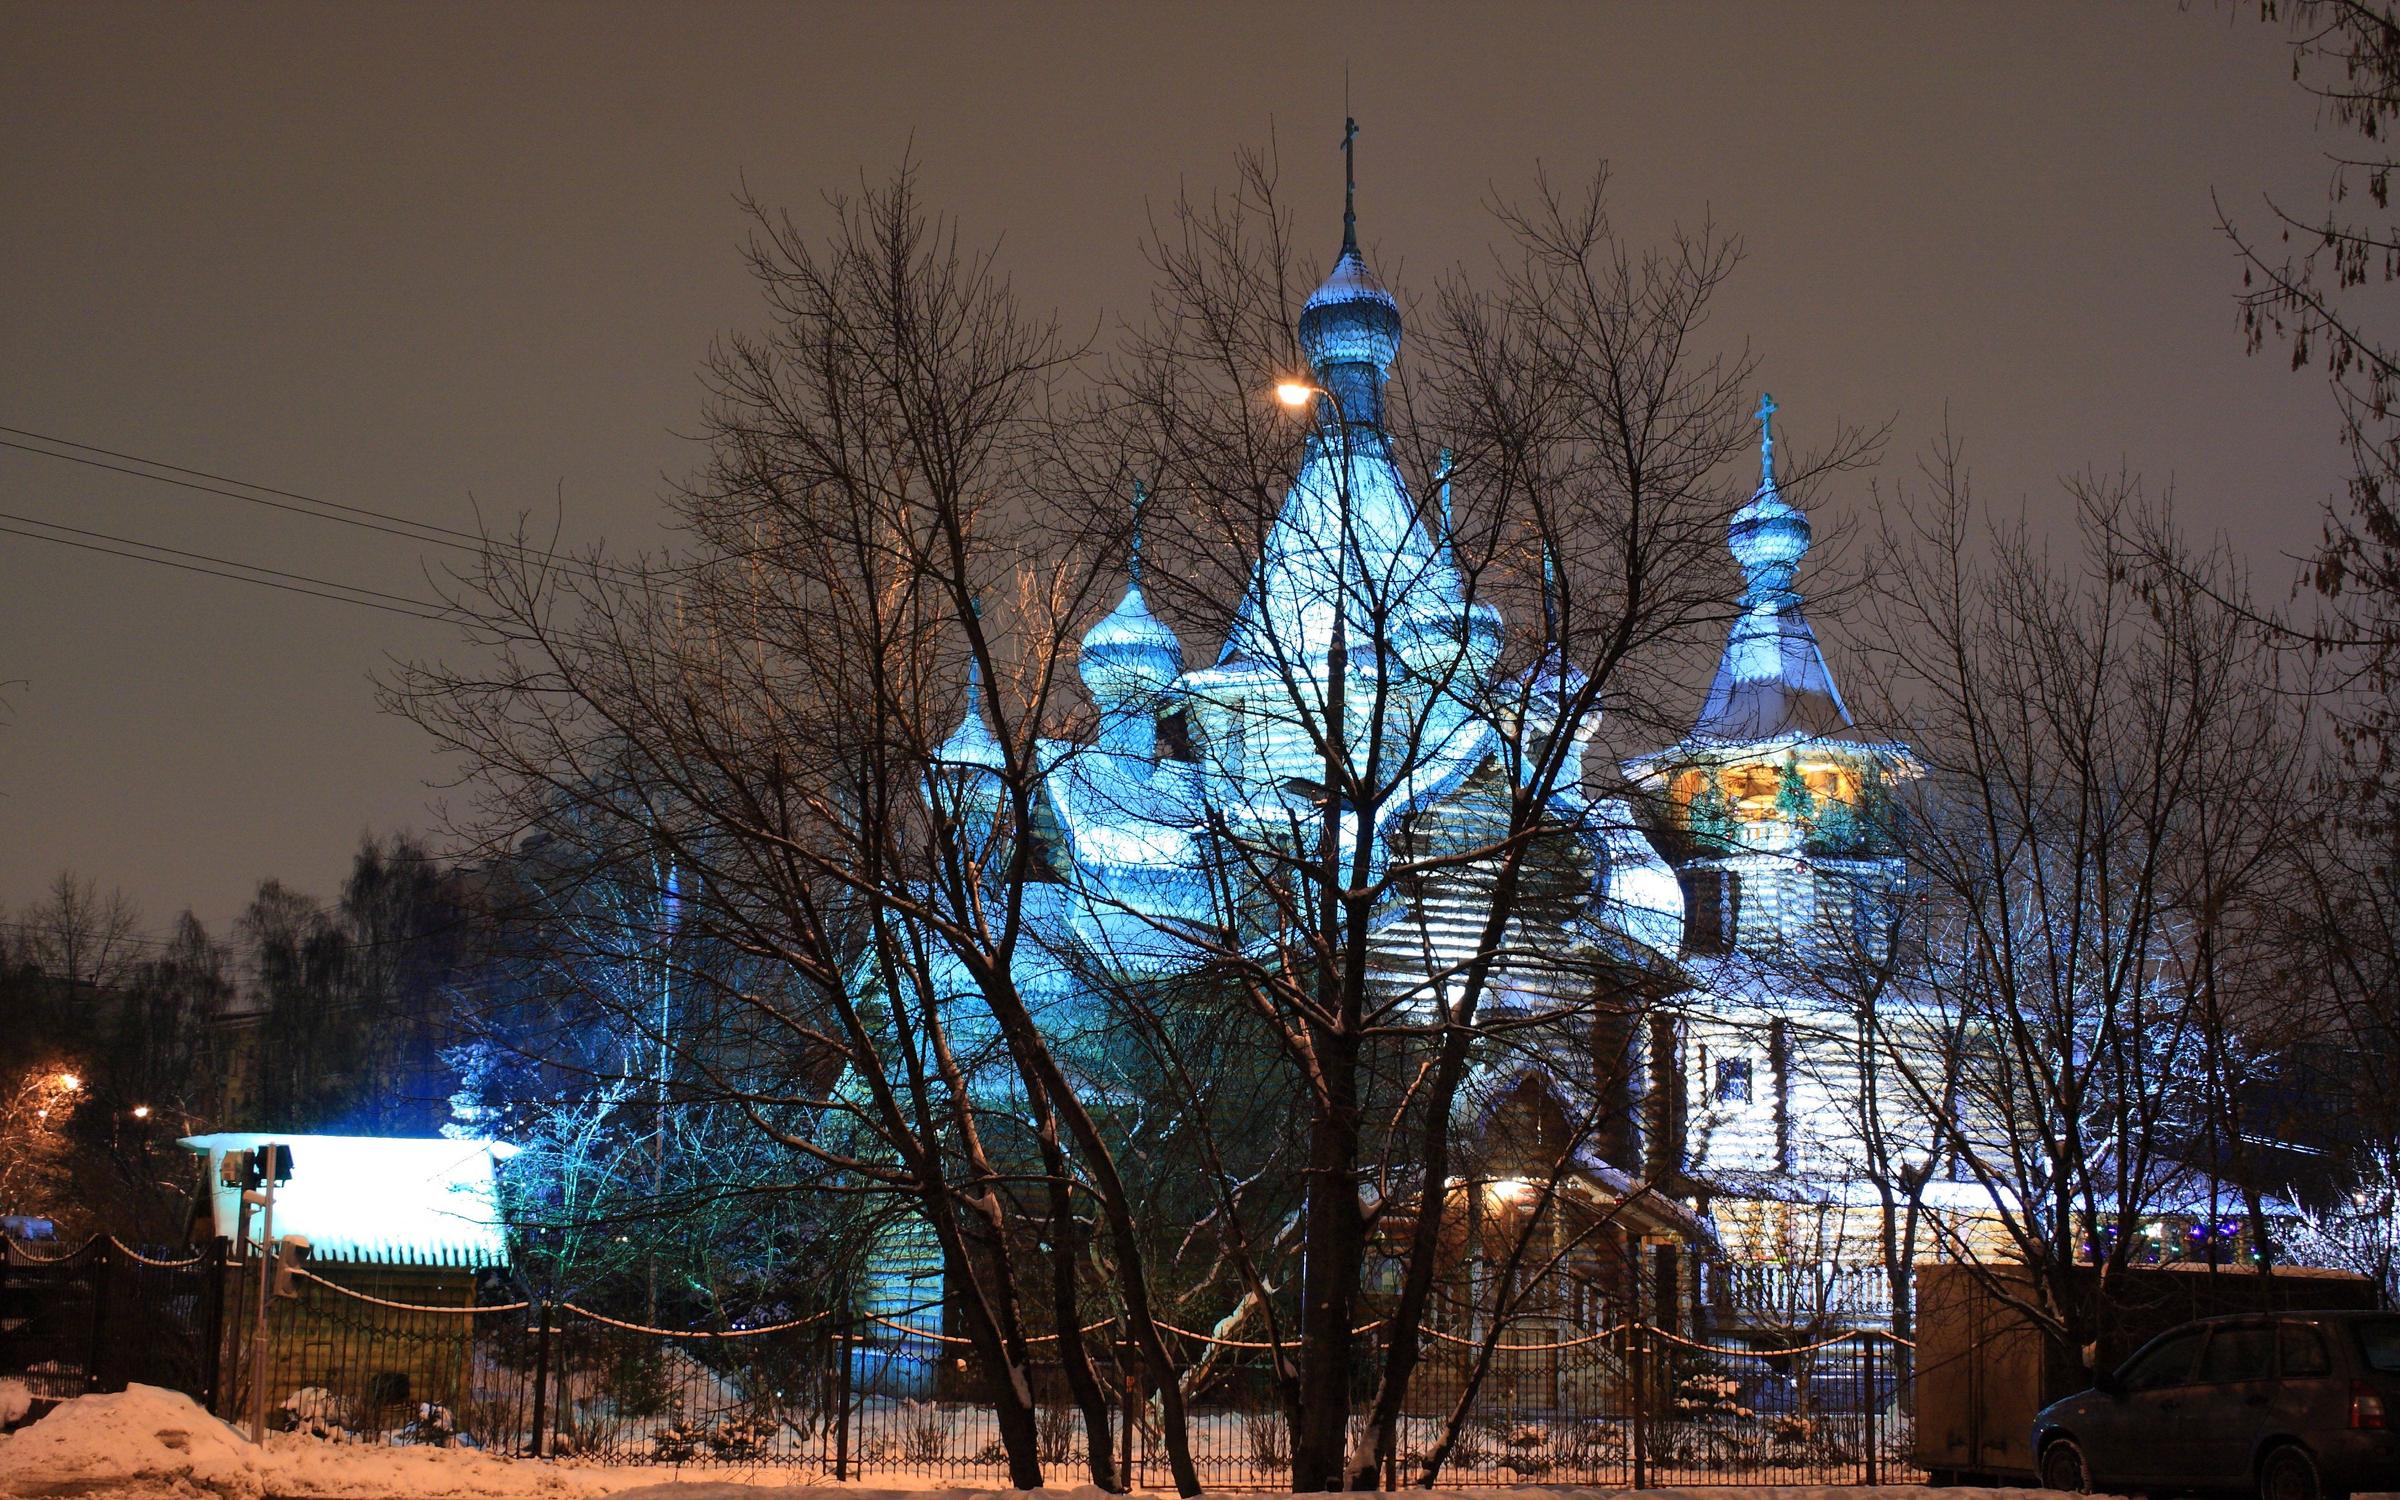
x=149, y=1444
x=135, y=1440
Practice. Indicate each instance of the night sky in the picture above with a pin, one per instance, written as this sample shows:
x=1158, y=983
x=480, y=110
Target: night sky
x=428, y=258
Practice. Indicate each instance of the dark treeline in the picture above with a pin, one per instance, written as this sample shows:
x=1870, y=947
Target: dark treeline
x=310, y=1014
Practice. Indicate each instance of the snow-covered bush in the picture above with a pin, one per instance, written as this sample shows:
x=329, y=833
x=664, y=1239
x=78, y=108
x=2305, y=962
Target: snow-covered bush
x=678, y=1442
x=1709, y=1392
x=314, y=1411
x=744, y=1438
x=432, y=1424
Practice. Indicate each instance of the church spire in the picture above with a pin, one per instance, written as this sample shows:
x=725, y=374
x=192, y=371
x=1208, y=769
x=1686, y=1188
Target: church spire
x=1772, y=681
x=1768, y=537
x=1133, y=551
x=1550, y=593
x=1349, y=187
x=1350, y=326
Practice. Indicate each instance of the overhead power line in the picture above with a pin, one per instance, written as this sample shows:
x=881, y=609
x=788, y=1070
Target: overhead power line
x=295, y=502
x=230, y=562
x=326, y=588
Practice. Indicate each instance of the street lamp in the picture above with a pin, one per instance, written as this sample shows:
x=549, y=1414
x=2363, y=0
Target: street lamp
x=1294, y=392
x=141, y=1111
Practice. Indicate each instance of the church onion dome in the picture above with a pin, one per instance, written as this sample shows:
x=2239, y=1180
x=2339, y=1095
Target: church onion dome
x=1768, y=537
x=1772, y=682
x=971, y=746
x=1350, y=326
x=1130, y=656
x=1350, y=319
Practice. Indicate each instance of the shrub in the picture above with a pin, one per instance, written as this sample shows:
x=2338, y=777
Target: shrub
x=678, y=1442
x=1269, y=1438
x=432, y=1425
x=1054, y=1431
x=924, y=1432
x=744, y=1438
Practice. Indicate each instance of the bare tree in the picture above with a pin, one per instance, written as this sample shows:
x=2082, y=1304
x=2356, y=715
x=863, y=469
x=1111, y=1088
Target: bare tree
x=2089, y=725
x=2310, y=285
x=79, y=934
x=771, y=710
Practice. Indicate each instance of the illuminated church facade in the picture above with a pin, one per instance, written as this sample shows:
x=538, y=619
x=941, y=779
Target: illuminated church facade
x=1749, y=851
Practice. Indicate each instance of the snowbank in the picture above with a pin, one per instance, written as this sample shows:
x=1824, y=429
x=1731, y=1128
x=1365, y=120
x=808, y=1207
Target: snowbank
x=140, y=1437
x=298, y=1465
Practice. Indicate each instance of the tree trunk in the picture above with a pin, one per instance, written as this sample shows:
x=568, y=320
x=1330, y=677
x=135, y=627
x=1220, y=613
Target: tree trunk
x=1335, y=1248
x=1066, y=1307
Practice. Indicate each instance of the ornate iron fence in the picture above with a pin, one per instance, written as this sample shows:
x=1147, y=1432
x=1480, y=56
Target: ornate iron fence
x=1629, y=1405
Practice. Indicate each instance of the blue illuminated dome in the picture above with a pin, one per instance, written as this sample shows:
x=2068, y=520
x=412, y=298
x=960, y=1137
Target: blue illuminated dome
x=968, y=764
x=1772, y=680
x=1768, y=537
x=1130, y=657
x=1350, y=319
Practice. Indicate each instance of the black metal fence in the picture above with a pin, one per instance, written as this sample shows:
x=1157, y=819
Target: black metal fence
x=108, y=1315
x=1631, y=1405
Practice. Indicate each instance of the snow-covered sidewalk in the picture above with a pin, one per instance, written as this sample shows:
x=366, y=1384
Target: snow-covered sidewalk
x=147, y=1444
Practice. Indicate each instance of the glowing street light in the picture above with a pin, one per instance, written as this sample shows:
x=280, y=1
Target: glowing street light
x=69, y=1082
x=141, y=1111
x=1295, y=392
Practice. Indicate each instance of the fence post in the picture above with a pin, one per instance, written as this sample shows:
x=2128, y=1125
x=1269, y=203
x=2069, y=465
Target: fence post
x=212, y=1322
x=1133, y=1394
x=101, y=1281
x=541, y=1372
x=1874, y=1401
x=1641, y=1406
x=843, y=1342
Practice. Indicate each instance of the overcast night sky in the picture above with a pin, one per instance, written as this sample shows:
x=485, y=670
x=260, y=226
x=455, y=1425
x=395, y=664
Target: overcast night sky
x=427, y=258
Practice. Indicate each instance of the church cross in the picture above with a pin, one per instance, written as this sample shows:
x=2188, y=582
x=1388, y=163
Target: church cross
x=1766, y=437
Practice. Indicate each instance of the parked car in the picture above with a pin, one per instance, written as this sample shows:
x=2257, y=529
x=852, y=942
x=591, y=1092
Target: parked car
x=2292, y=1406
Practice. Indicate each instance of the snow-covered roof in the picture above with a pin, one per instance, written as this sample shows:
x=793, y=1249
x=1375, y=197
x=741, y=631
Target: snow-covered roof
x=388, y=1200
